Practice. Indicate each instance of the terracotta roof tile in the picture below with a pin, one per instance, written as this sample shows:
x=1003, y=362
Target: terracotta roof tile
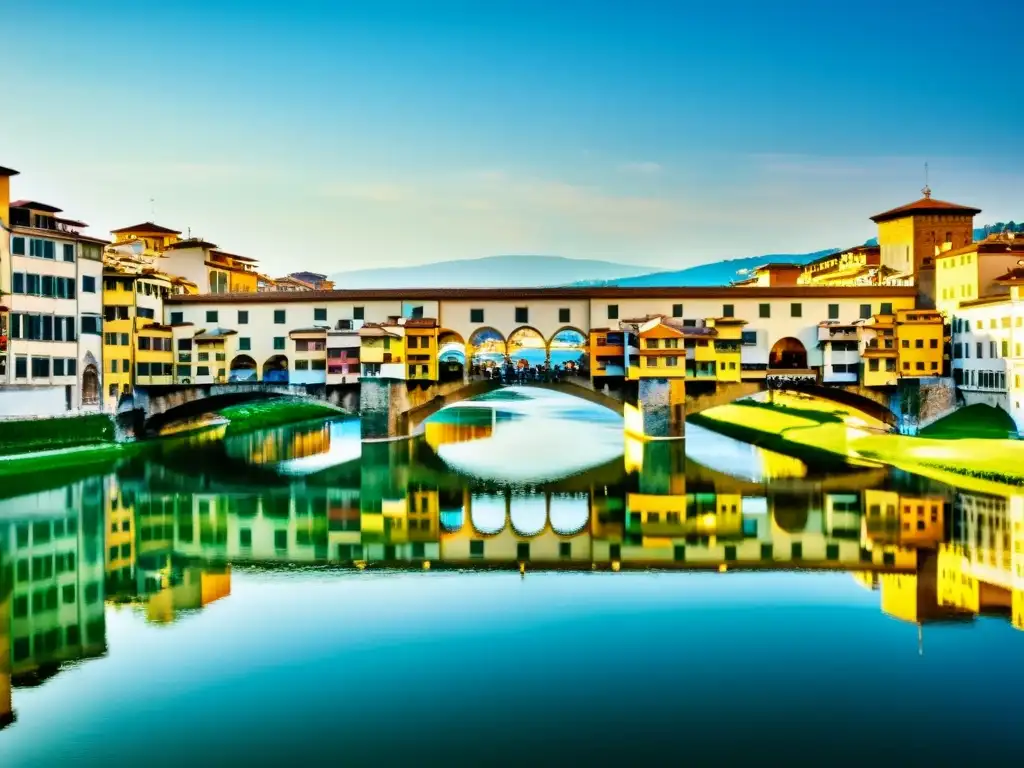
x=148, y=227
x=923, y=206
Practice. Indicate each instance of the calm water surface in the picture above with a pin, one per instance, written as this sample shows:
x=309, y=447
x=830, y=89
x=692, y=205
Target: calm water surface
x=518, y=585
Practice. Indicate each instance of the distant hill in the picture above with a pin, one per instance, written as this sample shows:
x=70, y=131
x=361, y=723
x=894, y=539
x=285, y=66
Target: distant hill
x=715, y=273
x=489, y=272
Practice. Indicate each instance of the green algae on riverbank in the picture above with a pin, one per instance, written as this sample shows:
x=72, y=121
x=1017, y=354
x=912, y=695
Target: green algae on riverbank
x=32, y=435
x=274, y=413
x=819, y=431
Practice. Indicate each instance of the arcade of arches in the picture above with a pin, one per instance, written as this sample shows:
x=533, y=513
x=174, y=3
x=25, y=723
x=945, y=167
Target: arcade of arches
x=524, y=347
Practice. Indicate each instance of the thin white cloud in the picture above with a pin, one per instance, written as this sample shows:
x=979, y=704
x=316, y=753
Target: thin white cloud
x=643, y=168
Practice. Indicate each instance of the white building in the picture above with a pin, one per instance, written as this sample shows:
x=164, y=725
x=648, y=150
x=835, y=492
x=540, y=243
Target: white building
x=988, y=353
x=54, y=300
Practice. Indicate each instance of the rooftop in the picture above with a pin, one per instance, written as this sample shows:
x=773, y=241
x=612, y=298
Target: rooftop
x=35, y=205
x=192, y=242
x=926, y=205
x=234, y=256
x=7, y=171
x=992, y=244
x=147, y=227
x=550, y=294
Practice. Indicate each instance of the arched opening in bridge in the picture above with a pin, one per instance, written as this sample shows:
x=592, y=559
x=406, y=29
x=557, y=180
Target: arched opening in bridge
x=486, y=349
x=90, y=385
x=487, y=513
x=568, y=348
x=527, y=348
x=451, y=356
x=243, y=368
x=275, y=370
x=788, y=353
x=528, y=513
x=790, y=511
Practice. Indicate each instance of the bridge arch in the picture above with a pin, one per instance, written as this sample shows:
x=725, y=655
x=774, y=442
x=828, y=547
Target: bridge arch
x=486, y=347
x=275, y=369
x=529, y=514
x=243, y=368
x=526, y=346
x=788, y=353
x=488, y=514
x=569, y=345
x=451, y=355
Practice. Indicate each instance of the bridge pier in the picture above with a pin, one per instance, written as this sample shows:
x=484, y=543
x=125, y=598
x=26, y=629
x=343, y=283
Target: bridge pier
x=382, y=405
x=661, y=404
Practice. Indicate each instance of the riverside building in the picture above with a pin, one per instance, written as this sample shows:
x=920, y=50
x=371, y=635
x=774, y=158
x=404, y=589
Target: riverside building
x=51, y=350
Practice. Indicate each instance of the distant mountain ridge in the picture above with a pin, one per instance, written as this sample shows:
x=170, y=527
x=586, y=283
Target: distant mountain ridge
x=709, y=275
x=519, y=271
x=490, y=272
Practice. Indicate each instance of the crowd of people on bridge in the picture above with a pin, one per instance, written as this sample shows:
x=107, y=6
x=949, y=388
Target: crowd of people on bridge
x=508, y=373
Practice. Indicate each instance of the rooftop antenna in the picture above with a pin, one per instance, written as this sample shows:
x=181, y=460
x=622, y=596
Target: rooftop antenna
x=927, y=191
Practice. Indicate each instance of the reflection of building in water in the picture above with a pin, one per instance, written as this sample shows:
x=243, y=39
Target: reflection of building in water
x=446, y=430
x=187, y=588
x=542, y=528
x=120, y=534
x=911, y=520
x=277, y=445
x=981, y=568
x=913, y=597
x=51, y=585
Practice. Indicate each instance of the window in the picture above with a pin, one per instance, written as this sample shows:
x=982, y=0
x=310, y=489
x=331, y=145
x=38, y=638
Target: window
x=69, y=251
x=40, y=367
x=873, y=364
x=244, y=343
x=677, y=310
x=279, y=342
x=21, y=367
x=476, y=315
x=748, y=338
x=211, y=315
x=142, y=369
x=833, y=311
x=88, y=284
x=279, y=316
x=358, y=313
x=144, y=342
x=18, y=246
x=886, y=307
x=203, y=370
x=865, y=311
x=320, y=315
x=796, y=310
x=728, y=310
x=522, y=314
x=564, y=315
x=177, y=318
x=58, y=366
x=302, y=365
x=91, y=324
x=243, y=317
x=918, y=343
x=933, y=343
x=613, y=311
x=476, y=548
x=764, y=310
x=1005, y=349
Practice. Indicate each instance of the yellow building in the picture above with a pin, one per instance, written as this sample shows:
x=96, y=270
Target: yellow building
x=727, y=346
x=879, y=351
x=922, y=520
x=137, y=348
x=911, y=236
x=663, y=352
x=151, y=237
x=854, y=266
x=607, y=353
x=120, y=535
x=974, y=271
x=382, y=350
x=921, y=337
x=421, y=346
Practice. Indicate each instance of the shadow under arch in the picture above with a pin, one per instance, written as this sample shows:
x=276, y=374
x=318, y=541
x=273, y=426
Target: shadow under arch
x=788, y=353
x=243, y=368
x=275, y=369
x=451, y=355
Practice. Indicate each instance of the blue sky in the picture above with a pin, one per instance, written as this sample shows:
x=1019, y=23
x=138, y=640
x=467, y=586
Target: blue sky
x=340, y=135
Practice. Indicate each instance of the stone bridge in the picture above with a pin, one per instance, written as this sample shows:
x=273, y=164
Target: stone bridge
x=149, y=409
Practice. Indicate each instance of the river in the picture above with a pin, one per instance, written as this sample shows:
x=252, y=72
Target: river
x=518, y=585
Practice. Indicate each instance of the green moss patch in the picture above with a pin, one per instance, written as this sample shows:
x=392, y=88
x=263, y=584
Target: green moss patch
x=30, y=435
x=973, y=421
x=275, y=413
